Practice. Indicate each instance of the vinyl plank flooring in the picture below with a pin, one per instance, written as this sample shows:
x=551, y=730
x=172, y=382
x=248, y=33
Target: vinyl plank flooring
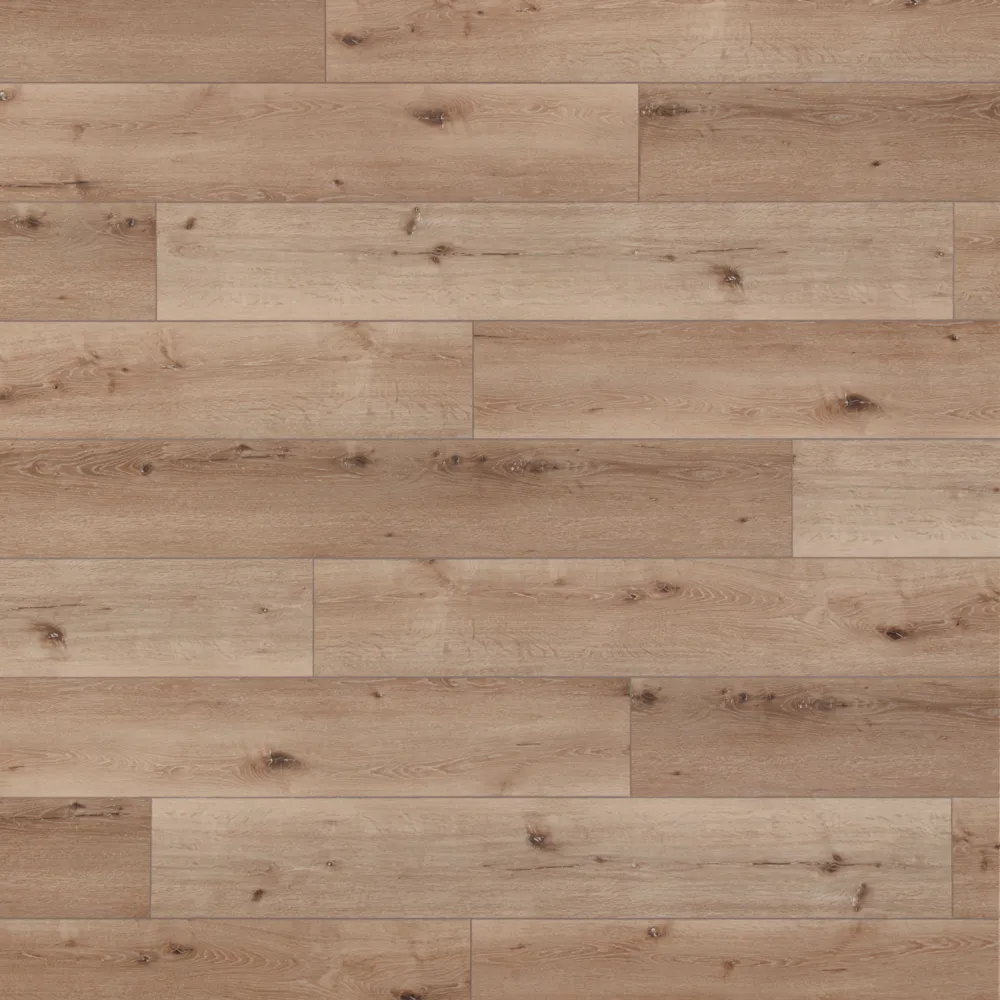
x=568, y=261
x=105, y=40
x=231, y=960
x=74, y=858
x=883, y=498
x=93, y=618
x=577, y=617
x=394, y=498
x=773, y=40
x=314, y=737
x=805, y=736
x=826, y=142
x=977, y=261
x=550, y=857
x=976, y=857
x=737, y=380
x=320, y=142
x=186, y=380
x=82, y=262
x=734, y=959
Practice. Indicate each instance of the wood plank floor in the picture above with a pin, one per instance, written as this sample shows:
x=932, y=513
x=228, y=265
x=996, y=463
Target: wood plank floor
x=499, y=500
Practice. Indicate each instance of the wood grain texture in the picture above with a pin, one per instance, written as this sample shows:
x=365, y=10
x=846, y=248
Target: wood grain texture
x=578, y=616
x=93, y=618
x=735, y=959
x=314, y=737
x=645, y=40
x=230, y=960
x=394, y=498
x=976, y=857
x=81, y=262
x=72, y=858
x=218, y=379
x=550, y=857
x=904, y=498
x=977, y=261
x=318, y=142
x=102, y=40
x=825, y=142
x=803, y=736
x=828, y=380
x=569, y=261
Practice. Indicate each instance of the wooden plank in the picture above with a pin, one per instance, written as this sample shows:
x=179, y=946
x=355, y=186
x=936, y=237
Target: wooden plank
x=233, y=959
x=735, y=959
x=615, y=616
x=571, y=261
x=902, y=498
x=976, y=857
x=805, y=736
x=773, y=40
x=319, y=142
x=550, y=857
x=170, y=40
x=311, y=736
x=977, y=261
x=219, y=379
x=737, y=380
x=94, y=618
x=74, y=858
x=393, y=498
x=824, y=142
x=81, y=262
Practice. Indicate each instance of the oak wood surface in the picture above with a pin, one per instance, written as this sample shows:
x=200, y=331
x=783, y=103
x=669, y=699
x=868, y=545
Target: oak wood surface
x=976, y=857
x=977, y=260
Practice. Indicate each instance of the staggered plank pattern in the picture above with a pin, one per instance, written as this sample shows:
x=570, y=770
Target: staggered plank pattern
x=499, y=500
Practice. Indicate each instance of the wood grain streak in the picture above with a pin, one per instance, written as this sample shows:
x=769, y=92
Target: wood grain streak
x=977, y=261
x=976, y=857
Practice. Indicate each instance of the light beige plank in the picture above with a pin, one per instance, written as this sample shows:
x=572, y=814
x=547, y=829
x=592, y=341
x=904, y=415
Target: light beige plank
x=737, y=380
x=735, y=959
x=81, y=262
x=573, y=617
x=318, y=142
x=571, y=261
x=976, y=857
x=74, y=858
x=645, y=40
x=550, y=857
x=218, y=379
x=805, y=736
x=314, y=737
x=904, y=498
x=394, y=498
x=823, y=142
x=167, y=40
x=93, y=618
x=231, y=960
x=977, y=261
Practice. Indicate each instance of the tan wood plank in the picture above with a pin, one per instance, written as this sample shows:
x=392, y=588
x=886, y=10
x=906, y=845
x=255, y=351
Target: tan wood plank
x=569, y=261
x=93, y=618
x=317, y=736
x=805, y=736
x=319, y=142
x=737, y=379
x=644, y=40
x=167, y=40
x=976, y=857
x=825, y=142
x=223, y=379
x=550, y=857
x=84, y=262
x=663, y=616
x=234, y=959
x=977, y=261
x=735, y=959
x=394, y=498
x=74, y=858
x=903, y=498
